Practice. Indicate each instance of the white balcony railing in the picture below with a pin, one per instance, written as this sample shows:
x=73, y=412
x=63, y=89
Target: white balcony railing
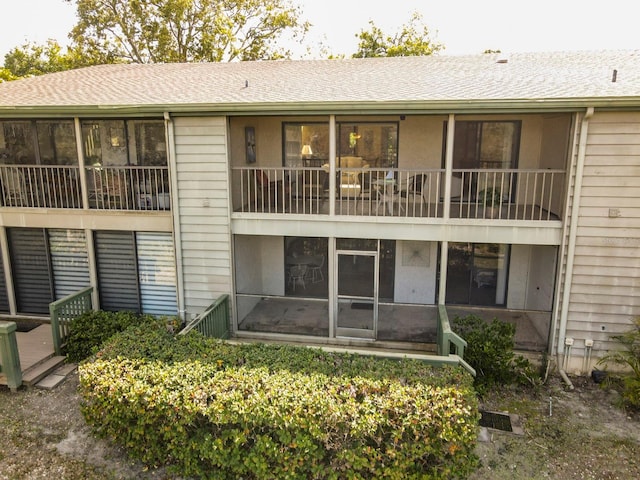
x=504, y=194
x=108, y=188
x=128, y=188
x=508, y=194
x=40, y=186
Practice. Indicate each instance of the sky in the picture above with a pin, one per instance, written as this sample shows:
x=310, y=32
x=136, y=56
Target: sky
x=463, y=26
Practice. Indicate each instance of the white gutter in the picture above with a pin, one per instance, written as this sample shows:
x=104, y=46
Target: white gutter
x=175, y=212
x=573, y=229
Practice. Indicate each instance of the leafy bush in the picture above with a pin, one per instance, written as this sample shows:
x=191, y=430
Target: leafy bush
x=91, y=329
x=629, y=358
x=216, y=410
x=489, y=350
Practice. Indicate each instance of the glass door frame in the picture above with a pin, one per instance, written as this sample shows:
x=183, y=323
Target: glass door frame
x=359, y=333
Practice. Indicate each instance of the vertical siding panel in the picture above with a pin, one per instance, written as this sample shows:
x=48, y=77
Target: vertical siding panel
x=202, y=166
x=607, y=229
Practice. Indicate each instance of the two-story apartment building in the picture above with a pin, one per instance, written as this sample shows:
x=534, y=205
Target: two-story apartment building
x=337, y=202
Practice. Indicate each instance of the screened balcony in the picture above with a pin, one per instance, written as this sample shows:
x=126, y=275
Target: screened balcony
x=123, y=165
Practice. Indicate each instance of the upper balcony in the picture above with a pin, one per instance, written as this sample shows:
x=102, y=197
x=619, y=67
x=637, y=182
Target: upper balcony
x=498, y=167
x=119, y=165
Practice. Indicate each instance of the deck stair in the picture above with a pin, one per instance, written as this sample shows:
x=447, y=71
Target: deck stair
x=37, y=372
x=56, y=377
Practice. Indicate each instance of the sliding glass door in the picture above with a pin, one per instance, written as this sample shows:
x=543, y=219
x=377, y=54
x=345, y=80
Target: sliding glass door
x=477, y=274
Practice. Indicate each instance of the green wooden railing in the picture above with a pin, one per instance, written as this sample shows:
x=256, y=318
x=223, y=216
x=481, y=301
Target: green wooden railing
x=9, y=358
x=450, y=343
x=214, y=321
x=66, y=309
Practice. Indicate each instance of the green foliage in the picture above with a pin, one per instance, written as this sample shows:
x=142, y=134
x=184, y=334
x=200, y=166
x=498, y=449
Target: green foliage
x=412, y=40
x=215, y=410
x=167, y=31
x=489, y=350
x=91, y=329
x=628, y=357
x=6, y=75
x=491, y=197
x=32, y=59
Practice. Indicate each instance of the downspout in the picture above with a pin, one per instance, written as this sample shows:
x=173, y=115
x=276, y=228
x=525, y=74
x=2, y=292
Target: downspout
x=573, y=233
x=175, y=213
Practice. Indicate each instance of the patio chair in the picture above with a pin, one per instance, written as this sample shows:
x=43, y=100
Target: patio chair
x=315, y=269
x=296, y=276
x=412, y=189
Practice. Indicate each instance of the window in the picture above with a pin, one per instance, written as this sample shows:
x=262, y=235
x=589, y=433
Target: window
x=486, y=144
x=375, y=143
x=481, y=148
x=119, y=143
x=477, y=274
x=306, y=264
x=38, y=143
x=306, y=144
x=57, y=143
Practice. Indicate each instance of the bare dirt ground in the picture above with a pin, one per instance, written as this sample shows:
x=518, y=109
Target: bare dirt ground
x=585, y=435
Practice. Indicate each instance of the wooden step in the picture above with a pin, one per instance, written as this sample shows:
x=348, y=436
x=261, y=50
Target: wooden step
x=36, y=373
x=58, y=376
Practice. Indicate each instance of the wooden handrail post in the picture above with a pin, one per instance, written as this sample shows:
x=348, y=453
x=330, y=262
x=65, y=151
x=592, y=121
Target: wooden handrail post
x=9, y=356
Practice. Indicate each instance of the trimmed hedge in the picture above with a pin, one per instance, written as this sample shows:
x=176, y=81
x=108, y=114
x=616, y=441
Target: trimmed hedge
x=91, y=329
x=215, y=410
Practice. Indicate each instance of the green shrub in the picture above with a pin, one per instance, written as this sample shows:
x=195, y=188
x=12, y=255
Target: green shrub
x=629, y=358
x=489, y=350
x=91, y=329
x=216, y=410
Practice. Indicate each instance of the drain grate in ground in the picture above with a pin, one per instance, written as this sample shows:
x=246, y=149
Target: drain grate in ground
x=501, y=421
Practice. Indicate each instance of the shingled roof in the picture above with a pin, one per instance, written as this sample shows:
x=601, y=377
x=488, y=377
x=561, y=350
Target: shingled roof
x=520, y=80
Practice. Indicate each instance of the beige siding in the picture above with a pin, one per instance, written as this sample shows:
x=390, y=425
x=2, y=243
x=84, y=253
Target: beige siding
x=203, y=193
x=606, y=290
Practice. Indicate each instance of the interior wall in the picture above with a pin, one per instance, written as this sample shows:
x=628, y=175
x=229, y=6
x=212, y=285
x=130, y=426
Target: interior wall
x=532, y=273
x=272, y=252
x=259, y=269
x=415, y=276
x=542, y=274
x=518, y=276
x=420, y=141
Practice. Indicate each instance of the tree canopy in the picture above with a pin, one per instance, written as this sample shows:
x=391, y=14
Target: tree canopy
x=32, y=59
x=163, y=31
x=413, y=39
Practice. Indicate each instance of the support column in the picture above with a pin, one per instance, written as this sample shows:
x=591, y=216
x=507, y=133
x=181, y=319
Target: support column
x=332, y=165
x=81, y=170
x=8, y=276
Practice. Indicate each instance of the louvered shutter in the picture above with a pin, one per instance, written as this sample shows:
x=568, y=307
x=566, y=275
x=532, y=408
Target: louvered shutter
x=69, y=261
x=117, y=272
x=4, y=298
x=157, y=273
x=31, y=270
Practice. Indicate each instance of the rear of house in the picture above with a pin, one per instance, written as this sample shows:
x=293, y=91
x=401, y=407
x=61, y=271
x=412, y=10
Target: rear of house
x=337, y=211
